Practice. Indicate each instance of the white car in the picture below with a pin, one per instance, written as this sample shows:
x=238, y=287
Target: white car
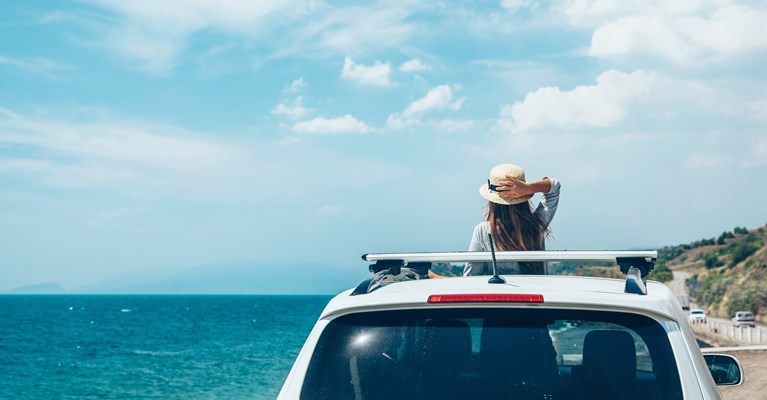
x=744, y=318
x=399, y=336
x=696, y=316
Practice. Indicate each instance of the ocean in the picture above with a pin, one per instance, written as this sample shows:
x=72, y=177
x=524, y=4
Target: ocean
x=151, y=347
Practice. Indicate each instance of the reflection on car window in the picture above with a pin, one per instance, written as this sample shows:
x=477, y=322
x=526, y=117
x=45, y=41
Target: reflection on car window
x=492, y=353
x=570, y=340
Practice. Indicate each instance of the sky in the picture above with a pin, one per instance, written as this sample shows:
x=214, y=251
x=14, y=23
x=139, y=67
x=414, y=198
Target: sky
x=142, y=135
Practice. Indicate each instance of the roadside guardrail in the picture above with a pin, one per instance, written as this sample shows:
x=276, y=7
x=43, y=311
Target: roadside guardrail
x=726, y=332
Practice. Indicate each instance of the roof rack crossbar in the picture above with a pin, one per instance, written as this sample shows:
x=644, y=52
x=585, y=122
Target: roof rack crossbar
x=524, y=256
x=391, y=267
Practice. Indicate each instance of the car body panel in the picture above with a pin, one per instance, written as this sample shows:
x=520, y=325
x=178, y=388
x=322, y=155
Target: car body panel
x=559, y=292
x=564, y=291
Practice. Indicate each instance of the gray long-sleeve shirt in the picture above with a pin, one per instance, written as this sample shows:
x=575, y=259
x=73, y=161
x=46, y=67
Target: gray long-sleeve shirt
x=480, y=241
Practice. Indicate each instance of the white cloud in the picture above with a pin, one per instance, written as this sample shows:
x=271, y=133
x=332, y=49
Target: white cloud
x=594, y=13
x=39, y=64
x=189, y=15
x=293, y=110
x=584, y=172
x=91, y=174
x=706, y=161
x=100, y=218
x=55, y=16
x=155, y=33
x=153, y=146
x=516, y=5
x=452, y=125
x=599, y=105
x=25, y=165
x=414, y=65
x=395, y=121
x=683, y=39
x=376, y=74
x=758, y=154
x=339, y=125
x=297, y=85
x=760, y=148
x=758, y=109
x=157, y=54
x=331, y=210
x=437, y=99
x=360, y=29
x=290, y=140
x=681, y=31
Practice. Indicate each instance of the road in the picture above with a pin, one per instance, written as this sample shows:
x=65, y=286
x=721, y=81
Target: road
x=678, y=288
x=677, y=285
x=754, y=363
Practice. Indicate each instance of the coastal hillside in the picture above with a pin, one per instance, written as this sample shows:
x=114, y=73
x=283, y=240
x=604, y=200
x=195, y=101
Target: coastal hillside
x=728, y=273
x=42, y=288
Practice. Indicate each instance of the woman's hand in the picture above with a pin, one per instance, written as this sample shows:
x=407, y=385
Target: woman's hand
x=512, y=188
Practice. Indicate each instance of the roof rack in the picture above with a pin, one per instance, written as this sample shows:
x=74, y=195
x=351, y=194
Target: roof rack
x=636, y=264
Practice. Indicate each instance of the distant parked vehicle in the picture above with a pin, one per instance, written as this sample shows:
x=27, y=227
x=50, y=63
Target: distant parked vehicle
x=744, y=318
x=697, y=316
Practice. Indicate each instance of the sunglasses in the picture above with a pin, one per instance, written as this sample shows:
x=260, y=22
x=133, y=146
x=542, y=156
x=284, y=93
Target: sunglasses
x=492, y=187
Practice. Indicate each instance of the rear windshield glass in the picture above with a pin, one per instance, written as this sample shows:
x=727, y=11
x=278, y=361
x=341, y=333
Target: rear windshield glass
x=492, y=353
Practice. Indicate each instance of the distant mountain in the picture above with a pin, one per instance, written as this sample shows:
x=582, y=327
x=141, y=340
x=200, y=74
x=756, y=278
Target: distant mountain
x=42, y=288
x=729, y=272
x=246, y=278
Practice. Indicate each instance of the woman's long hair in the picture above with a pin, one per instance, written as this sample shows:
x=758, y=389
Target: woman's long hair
x=517, y=228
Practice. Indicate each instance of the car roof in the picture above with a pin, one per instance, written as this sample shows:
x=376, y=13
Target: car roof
x=558, y=292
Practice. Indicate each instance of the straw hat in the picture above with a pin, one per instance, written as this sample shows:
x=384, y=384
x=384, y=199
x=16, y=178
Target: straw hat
x=498, y=173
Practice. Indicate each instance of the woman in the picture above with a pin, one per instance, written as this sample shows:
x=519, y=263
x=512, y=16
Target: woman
x=510, y=218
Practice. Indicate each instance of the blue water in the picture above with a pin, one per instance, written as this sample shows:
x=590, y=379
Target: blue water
x=151, y=347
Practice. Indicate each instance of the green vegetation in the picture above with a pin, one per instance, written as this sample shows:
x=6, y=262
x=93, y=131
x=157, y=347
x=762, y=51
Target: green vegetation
x=712, y=260
x=446, y=269
x=671, y=253
x=713, y=290
x=742, y=249
x=661, y=273
x=741, y=231
x=729, y=274
x=724, y=236
x=750, y=297
x=703, y=242
x=594, y=268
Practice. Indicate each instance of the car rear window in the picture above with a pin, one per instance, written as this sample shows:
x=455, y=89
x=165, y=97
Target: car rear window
x=492, y=353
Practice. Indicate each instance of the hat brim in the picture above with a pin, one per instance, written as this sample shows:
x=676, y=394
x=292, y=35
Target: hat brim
x=493, y=197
